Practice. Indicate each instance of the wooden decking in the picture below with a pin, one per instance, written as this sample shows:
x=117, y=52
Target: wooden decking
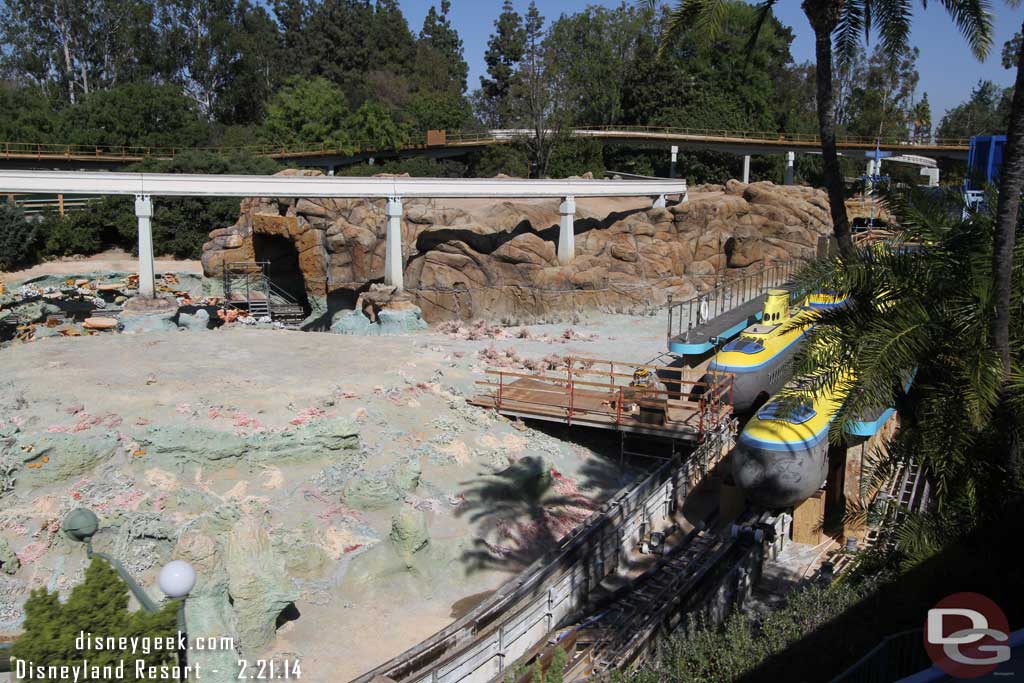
x=679, y=407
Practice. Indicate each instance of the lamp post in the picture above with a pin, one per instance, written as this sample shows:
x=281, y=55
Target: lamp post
x=176, y=580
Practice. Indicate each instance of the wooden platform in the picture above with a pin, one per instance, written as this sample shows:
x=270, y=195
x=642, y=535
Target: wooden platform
x=680, y=413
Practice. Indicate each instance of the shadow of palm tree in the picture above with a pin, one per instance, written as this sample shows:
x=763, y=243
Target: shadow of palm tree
x=523, y=512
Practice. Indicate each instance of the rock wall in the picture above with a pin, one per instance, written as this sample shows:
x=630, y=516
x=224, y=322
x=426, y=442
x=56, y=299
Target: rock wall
x=497, y=259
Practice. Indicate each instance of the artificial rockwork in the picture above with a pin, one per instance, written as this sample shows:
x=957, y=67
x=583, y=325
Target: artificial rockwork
x=466, y=259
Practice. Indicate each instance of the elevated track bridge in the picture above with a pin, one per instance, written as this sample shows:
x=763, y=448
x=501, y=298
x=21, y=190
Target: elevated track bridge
x=441, y=144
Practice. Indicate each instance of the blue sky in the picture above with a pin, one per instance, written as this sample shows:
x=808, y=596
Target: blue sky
x=948, y=69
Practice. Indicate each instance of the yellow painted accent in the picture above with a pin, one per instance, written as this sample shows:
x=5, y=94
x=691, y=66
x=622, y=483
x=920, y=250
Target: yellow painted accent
x=825, y=404
x=776, y=306
x=775, y=334
x=822, y=298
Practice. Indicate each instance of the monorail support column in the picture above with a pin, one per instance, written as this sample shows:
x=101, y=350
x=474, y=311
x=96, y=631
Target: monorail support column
x=393, y=265
x=144, y=212
x=790, y=173
x=746, y=169
x=566, y=231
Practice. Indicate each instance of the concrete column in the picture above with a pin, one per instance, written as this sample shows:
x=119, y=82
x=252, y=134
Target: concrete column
x=746, y=169
x=393, y=264
x=144, y=212
x=566, y=232
x=933, y=176
x=790, y=172
x=659, y=202
x=675, y=156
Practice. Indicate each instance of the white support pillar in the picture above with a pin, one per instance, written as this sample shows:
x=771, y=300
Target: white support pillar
x=659, y=202
x=393, y=264
x=746, y=169
x=790, y=172
x=144, y=212
x=933, y=176
x=675, y=157
x=566, y=231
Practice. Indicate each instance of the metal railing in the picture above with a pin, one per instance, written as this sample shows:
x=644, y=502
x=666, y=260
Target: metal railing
x=726, y=295
x=33, y=150
x=246, y=282
x=709, y=402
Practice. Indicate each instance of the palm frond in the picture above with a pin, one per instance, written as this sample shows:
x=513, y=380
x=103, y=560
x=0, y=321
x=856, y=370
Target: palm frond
x=763, y=11
x=852, y=23
x=705, y=18
x=892, y=19
x=974, y=19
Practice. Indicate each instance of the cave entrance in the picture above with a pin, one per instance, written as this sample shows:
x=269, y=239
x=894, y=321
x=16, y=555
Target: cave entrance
x=282, y=266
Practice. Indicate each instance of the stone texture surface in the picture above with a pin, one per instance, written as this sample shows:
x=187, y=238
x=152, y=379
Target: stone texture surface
x=257, y=583
x=409, y=533
x=148, y=315
x=466, y=259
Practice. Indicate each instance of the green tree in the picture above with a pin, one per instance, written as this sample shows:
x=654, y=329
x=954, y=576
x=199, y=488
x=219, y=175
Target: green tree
x=846, y=22
x=921, y=120
x=19, y=238
x=507, y=159
x=72, y=48
x=26, y=115
x=137, y=114
x=439, y=111
x=881, y=101
x=98, y=605
x=371, y=127
x=593, y=51
x=365, y=48
x=534, y=101
x=986, y=112
x=439, y=35
x=253, y=71
x=504, y=51
x=1011, y=49
x=572, y=156
x=715, y=82
x=307, y=111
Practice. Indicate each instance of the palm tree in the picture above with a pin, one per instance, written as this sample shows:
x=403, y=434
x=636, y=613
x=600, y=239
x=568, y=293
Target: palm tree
x=1011, y=184
x=923, y=309
x=843, y=21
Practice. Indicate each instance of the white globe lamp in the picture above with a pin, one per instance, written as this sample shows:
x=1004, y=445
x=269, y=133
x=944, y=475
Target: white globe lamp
x=177, y=579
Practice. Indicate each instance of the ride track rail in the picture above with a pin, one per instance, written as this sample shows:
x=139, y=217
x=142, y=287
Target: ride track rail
x=483, y=644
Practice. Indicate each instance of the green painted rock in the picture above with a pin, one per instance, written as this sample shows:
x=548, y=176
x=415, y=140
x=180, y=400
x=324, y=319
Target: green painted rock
x=409, y=533
x=260, y=589
x=51, y=458
x=9, y=562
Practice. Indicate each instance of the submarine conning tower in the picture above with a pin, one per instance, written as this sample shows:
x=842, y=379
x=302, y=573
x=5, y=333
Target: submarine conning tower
x=776, y=306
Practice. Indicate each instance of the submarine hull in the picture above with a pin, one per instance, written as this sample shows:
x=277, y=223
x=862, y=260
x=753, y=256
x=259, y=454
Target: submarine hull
x=779, y=478
x=749, y=385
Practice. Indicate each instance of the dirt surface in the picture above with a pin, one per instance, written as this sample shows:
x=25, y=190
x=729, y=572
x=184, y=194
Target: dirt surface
x=111, y=261
x=405, y=393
